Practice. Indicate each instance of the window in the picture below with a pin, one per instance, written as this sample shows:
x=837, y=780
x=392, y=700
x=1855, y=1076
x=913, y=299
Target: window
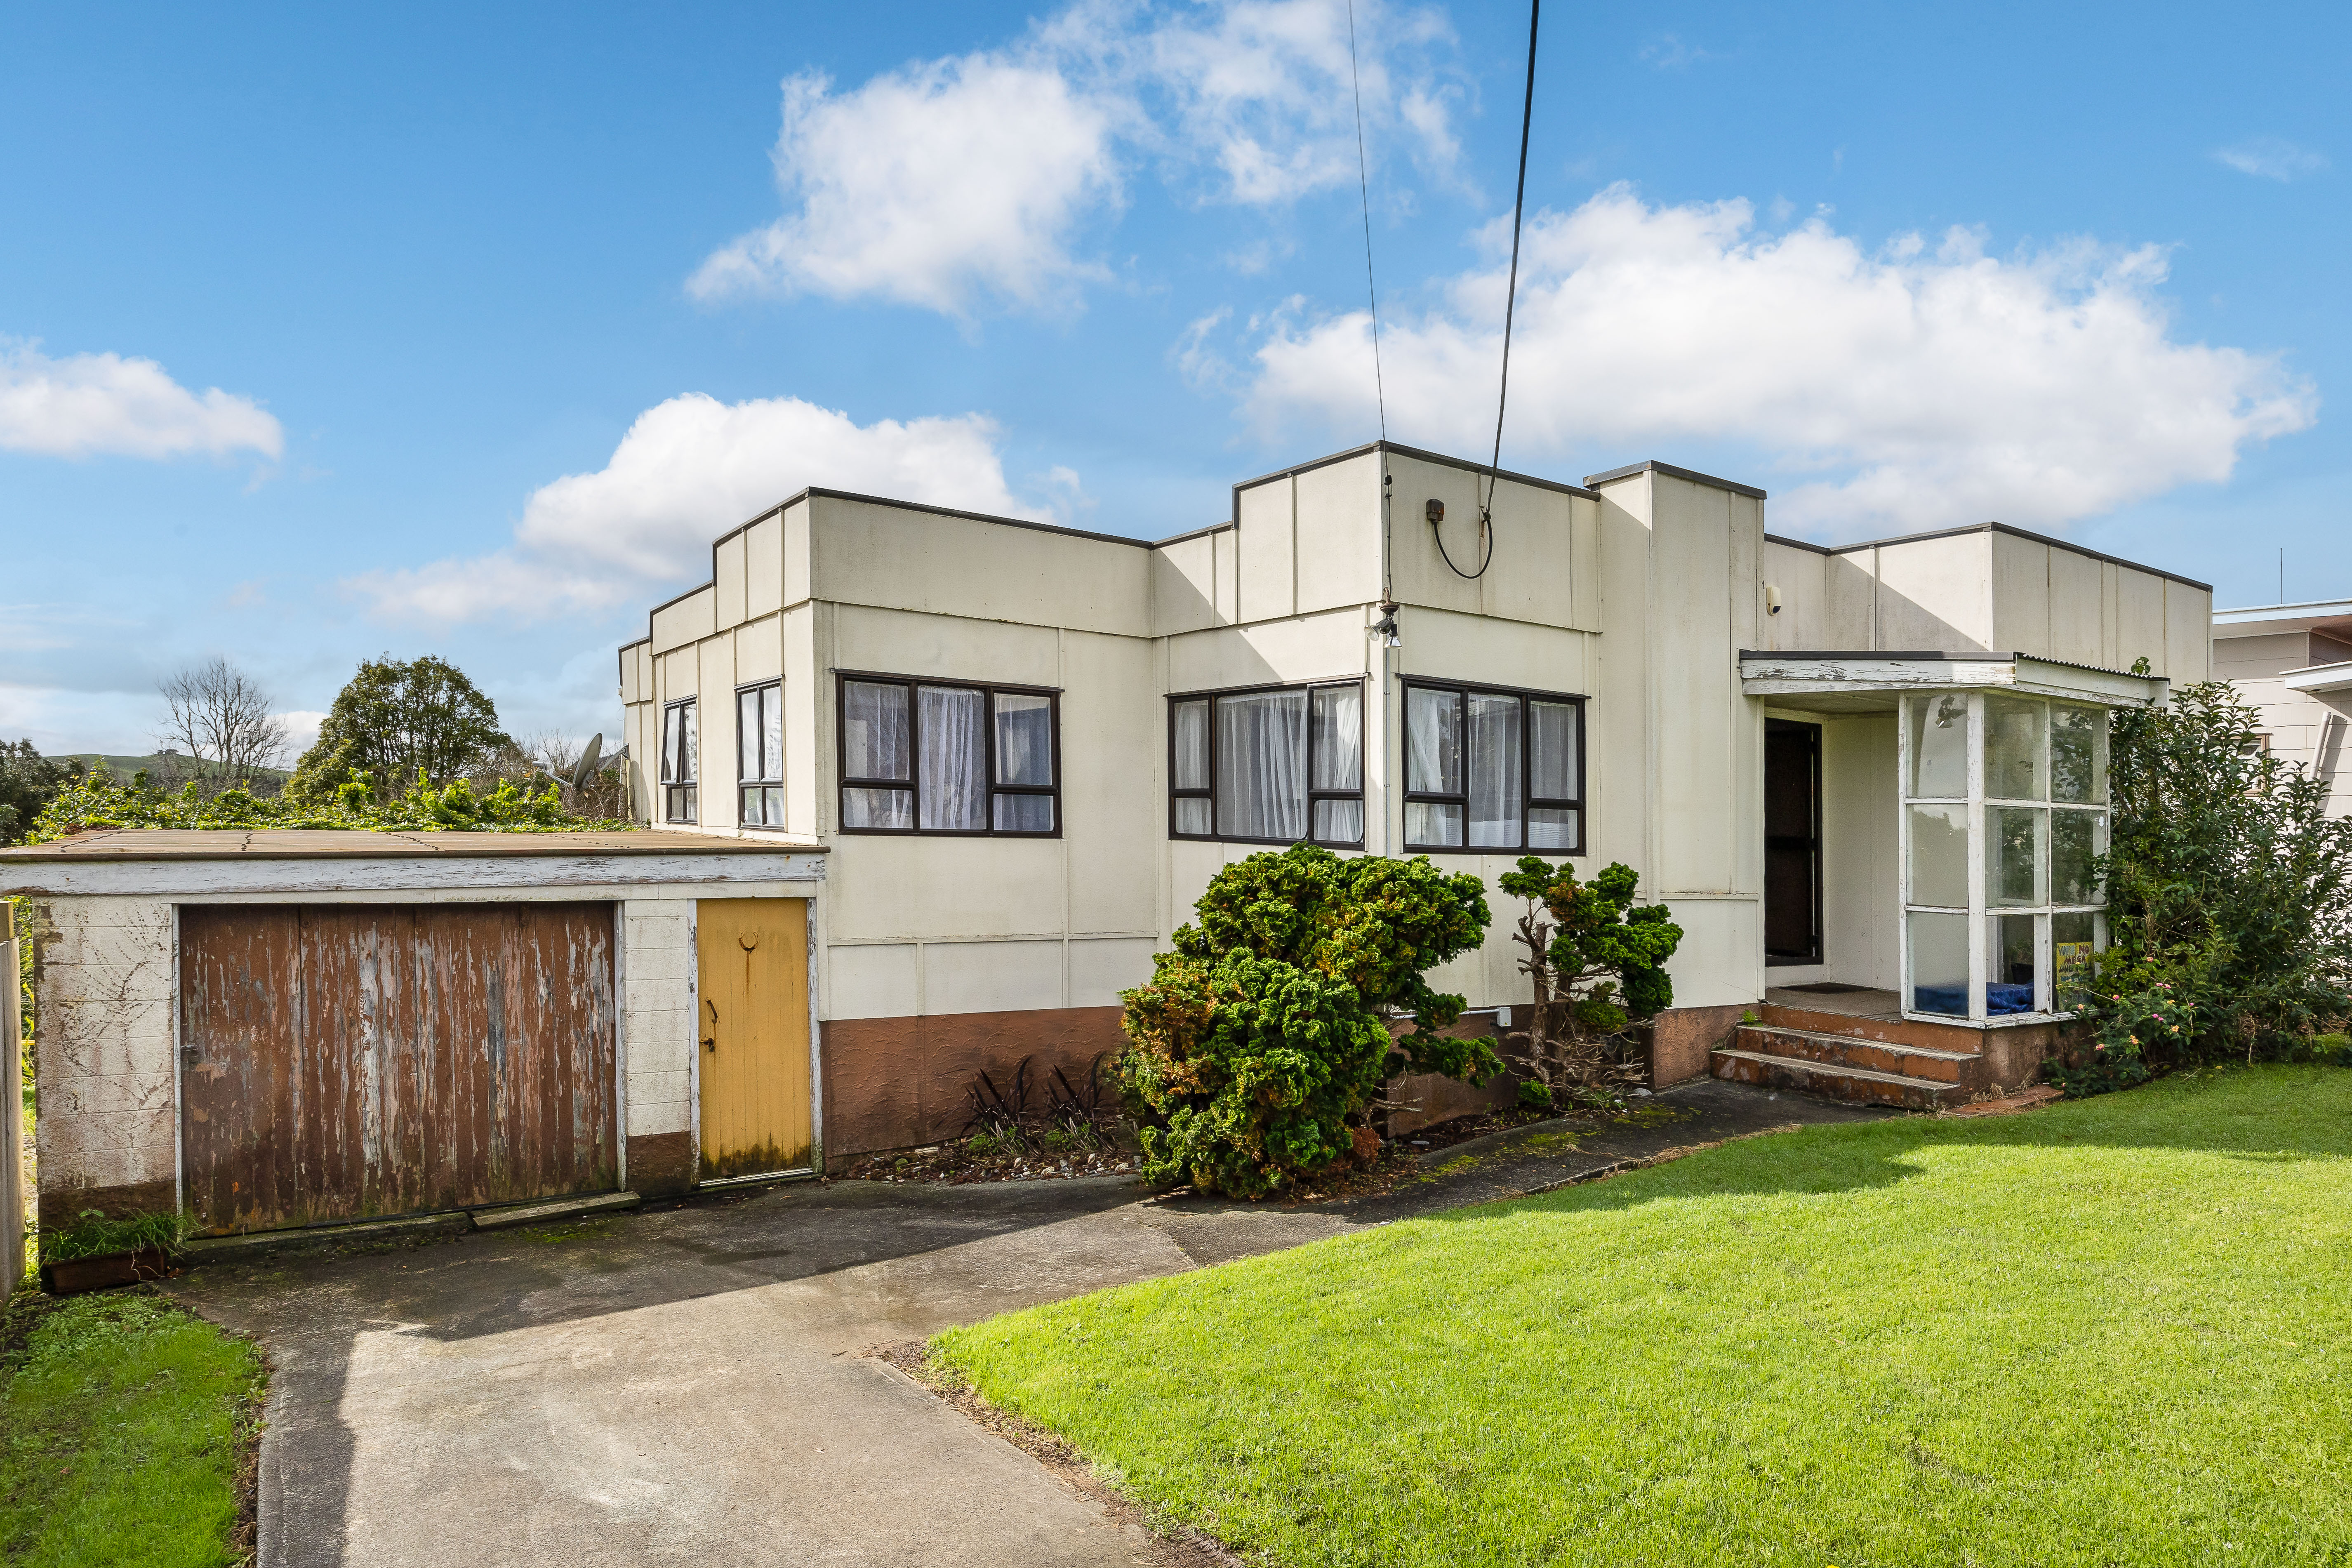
x=677, y=760
x=1269, y=766
x=920, y=757
x=2001, y=911
x=760, y=754
x=1492, y=770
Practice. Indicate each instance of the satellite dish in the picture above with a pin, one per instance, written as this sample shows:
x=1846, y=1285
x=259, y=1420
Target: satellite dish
x=587, y=768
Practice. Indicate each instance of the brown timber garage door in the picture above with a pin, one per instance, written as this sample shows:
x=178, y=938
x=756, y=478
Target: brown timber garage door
x=353, y=1059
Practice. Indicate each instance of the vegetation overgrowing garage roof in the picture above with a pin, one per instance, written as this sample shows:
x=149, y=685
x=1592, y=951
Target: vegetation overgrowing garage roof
x=361, y=843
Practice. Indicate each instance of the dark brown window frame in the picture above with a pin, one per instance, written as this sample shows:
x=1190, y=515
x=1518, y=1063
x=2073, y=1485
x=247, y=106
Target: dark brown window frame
x=913, y=783
x=1528, y=799
x=671, y=787
x=1358, y=794
x=744, y=785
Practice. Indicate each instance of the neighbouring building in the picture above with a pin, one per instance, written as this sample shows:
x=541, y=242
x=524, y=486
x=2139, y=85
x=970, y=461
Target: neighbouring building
x=1868, y=780
x=2294, y=663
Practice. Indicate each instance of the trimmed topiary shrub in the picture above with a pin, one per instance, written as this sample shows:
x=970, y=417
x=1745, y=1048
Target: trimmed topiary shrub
x=1262, y=1039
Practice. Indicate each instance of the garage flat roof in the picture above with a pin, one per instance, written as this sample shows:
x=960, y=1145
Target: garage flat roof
x=117, y=844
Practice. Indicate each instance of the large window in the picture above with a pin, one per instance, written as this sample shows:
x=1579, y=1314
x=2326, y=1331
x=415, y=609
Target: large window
x=930, y=757
x=678, y=762
x=1487, y=769
x=760, y=754
x=2004, y=812
x=1270, y=766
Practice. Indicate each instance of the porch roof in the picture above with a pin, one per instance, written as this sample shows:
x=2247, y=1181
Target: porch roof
x=1872, y=680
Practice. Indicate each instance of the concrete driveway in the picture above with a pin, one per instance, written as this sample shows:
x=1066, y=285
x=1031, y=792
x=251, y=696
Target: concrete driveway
x=692, y=1385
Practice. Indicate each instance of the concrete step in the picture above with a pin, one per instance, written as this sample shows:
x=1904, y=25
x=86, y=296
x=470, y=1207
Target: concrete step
x=1862, y=1086
x=553, y=1209
x=1956, y=1037
x=1851, y=1051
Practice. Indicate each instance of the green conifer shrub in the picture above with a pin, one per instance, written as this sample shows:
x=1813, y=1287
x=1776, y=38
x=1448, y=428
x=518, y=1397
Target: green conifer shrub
x=1264, y=1036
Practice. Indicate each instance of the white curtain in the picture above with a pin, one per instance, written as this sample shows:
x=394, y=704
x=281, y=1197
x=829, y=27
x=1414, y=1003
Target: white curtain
x=872, y=731
x=1261, y=766
x=1497, y=796
x=1432, y=741
x=1193, y=748
x=953, y=784
x=1024, y=740
x=1339, y=738
x=1551, y=751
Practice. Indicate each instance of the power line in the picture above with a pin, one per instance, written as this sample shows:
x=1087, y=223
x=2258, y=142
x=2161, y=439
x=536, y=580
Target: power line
x=1518, y=211
x=1364, y=189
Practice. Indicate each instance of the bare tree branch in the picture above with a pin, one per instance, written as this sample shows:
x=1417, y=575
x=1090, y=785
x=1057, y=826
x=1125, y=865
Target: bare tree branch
x=221, y=719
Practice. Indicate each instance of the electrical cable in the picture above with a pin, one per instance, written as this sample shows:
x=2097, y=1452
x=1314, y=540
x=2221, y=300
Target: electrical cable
x=1510, y=305
x=1364, y=190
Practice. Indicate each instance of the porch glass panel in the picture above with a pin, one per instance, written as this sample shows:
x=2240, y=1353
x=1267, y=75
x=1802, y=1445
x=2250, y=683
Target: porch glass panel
x=2014, y=742
x=2001, y=900
x=1939, y=747
x=1939, y=962
x=2016, y=852
x=1940, y=856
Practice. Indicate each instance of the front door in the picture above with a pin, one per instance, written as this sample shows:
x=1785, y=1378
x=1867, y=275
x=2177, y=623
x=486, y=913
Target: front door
x=753, y=1029
x=1792, y=842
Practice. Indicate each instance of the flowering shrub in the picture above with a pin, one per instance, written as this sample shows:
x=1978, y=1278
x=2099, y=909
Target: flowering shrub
x=1261, y=1038
x=2129, y=1026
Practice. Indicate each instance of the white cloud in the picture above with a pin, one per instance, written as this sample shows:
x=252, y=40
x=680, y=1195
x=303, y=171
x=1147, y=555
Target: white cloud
x=687, y=470
x=939, y=186
x=86, y=404
x=957, y=183
x=1905, y=389
x=2272, y=158
x=301, y=730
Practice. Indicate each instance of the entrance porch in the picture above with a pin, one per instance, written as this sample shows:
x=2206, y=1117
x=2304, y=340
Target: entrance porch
x=1931, y=824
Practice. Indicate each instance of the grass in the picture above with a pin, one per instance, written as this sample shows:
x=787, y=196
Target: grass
x=2115, y=1330
x=120, y=1420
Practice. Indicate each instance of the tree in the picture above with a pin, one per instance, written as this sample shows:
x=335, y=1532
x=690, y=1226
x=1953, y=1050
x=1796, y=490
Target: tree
x=1260, y=1041
x=394, y=721
x=223, y=719
x=1600, y=969
x=2229, y=890
x=28, y=781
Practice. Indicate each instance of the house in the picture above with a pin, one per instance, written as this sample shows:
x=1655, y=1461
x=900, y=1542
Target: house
x=1868, y=780
x=2294, y=663
x=287, y=1028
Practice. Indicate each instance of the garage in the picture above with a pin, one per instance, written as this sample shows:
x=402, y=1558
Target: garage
x=284, y=1028
x=341, y=1061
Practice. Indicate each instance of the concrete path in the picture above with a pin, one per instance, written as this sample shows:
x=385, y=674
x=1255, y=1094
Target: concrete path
x=691, y=1384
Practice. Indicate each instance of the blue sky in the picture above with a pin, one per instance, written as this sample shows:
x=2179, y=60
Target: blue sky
x=462, y=328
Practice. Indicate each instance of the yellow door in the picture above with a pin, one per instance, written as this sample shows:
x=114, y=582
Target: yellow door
x=754, y=1034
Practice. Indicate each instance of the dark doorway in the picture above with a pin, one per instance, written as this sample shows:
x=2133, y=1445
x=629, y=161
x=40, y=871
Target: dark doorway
x=1792, y=842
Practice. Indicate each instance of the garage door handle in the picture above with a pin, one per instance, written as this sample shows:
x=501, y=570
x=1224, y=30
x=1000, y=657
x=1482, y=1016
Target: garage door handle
x=190, y=1056
x=710, y=1040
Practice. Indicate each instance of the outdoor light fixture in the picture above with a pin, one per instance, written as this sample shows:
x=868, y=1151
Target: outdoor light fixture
x=1771, y=600
x=1436, y=510
x=1387, y=624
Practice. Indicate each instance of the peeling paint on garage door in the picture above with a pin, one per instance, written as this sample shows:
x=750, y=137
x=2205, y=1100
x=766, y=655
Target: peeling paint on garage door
x=346, y=1060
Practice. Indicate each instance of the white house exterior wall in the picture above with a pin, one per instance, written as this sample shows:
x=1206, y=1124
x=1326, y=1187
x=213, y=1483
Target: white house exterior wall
x=1639, y=595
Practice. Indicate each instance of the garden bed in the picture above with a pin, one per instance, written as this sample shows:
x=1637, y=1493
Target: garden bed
x=2108, y=1332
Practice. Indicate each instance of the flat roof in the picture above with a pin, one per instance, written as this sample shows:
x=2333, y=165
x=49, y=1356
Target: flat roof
x=2253, y=618
x=1693, y=475
x=117, y=844
x=1984, y=528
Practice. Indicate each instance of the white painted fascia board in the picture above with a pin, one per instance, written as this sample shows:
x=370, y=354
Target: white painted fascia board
x=1767, y=676
x=2318, y=678
x=2259, y=619
x=195, y=878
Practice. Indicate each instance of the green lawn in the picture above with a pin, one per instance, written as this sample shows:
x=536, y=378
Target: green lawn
x=118, y=1435
x=2116, y=1331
